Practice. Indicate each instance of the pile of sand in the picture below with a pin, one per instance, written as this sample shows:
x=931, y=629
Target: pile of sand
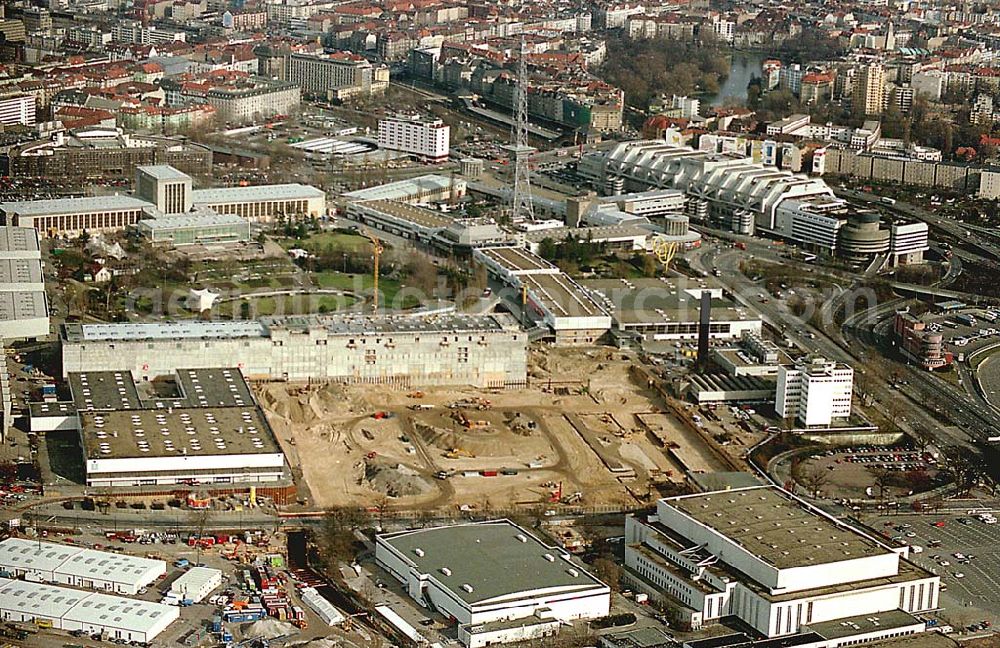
x=395, y=481
x=269, y=628
x=324, y=642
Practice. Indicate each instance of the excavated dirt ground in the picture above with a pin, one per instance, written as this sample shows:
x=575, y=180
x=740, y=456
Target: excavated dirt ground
x=347, y=457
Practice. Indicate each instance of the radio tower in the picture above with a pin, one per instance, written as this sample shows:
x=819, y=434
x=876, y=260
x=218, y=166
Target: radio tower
x=518, y=149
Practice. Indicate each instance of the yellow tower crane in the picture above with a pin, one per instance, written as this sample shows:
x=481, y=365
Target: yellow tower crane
x=665, y=251
x=377, y=249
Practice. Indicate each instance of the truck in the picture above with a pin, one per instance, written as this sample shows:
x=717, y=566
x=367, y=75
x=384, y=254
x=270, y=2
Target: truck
x=888, y=201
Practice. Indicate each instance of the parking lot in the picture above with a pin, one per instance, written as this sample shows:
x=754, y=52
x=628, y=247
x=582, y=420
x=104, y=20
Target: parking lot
x=973, y=597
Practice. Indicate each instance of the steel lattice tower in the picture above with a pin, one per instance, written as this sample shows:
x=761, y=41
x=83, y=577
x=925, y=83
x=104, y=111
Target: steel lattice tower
x=518, y=149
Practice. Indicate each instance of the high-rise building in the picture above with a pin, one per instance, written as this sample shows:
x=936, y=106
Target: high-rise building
x=816, y=391
x=18, y=109
x=428, y=139
x=869, y=90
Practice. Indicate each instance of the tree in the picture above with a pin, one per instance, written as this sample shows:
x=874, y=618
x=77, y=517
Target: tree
x=607, y=570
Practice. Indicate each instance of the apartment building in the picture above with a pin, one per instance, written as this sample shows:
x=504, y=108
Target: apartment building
x=17, y=109
x=336, y=76
x=869, y=90
x=428, y=139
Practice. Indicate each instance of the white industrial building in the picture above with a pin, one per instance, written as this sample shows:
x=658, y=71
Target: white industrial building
x=428, y=139
x=479, y=350
x=496, y=580
x=196, y=583
x=549, y=295
x=79, y=567
x=69, y=609
x=776, y=564
x=815, y=391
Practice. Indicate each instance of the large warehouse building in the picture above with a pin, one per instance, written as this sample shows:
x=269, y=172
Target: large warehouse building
x=483, y=351
x=775, y=563
x=210, y=432
x=496, y=580
x=69, y=609
x=79, y=567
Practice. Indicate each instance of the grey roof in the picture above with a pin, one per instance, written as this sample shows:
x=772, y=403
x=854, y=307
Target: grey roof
x=492, y=559
x=20, y=271
x=258, y=192
x=776, y=528
x=163, y=172
x=192, y=221
x=22, y=305
x=72, y=205
x=18, y=239
x=864, y=624
x=163, y=331
x=335, y=324
x=402, y=189
x=104, y=390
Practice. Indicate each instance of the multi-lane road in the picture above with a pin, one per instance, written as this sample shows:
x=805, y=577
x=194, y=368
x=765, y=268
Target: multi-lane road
x=969, y=421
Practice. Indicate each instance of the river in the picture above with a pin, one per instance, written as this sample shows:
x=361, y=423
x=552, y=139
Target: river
x=744, y=66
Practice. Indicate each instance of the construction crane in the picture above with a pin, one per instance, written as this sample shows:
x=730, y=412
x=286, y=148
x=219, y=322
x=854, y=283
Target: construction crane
x=665, y=251
x=378, y=249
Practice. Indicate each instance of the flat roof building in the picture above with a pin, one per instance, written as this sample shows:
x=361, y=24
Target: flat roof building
x=552, y=297
x=210, y=431
x=24, y=308
x=78, y=567
x=163, y=190
x=69, y=609
x=669, y=309
x=772, y=561
x=197, y=583
x=492, y=577
x=195, y=229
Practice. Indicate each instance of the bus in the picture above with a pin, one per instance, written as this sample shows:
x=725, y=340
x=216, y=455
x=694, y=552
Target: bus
x=965, y=319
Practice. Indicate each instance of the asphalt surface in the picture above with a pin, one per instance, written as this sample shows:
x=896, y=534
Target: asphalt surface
x=979, y=588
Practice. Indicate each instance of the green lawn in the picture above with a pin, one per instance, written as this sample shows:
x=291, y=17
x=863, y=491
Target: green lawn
x=389, y=288
x=299, y=304
x=321, y=240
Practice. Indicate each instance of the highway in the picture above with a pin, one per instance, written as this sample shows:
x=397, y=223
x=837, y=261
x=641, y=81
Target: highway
x=969, y=422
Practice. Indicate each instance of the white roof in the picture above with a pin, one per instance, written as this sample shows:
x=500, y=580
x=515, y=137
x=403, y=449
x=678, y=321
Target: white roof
x=37, y=599
x=17, y=553
x=118, y=612
x=163, y=172
x=53, y=602
x=112, y=567
x=41, y=556
x=194, y=579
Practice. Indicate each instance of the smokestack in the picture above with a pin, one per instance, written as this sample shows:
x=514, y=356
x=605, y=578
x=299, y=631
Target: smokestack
x=703, y=326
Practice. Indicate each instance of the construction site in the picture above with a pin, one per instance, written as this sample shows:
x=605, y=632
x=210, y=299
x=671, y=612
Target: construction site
x=606, y=440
